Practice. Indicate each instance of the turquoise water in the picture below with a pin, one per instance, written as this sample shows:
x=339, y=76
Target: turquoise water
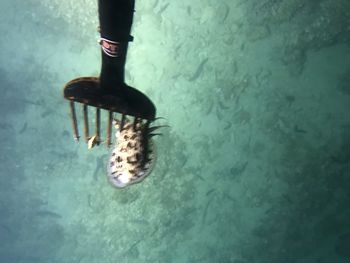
x=255, y=167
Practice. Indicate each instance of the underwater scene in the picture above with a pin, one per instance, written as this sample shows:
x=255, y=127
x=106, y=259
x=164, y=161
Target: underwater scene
x=252, y=164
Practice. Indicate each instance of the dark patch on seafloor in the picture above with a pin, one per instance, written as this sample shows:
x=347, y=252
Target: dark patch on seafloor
x=305, y=26
x=342, y=246
x=344, y=83
x=315, y=207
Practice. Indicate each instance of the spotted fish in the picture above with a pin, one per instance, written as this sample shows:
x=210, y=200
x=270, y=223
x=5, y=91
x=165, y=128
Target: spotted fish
x=133, y=156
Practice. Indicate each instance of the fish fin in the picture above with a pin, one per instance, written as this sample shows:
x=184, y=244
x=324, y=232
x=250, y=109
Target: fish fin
x=154, y=134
